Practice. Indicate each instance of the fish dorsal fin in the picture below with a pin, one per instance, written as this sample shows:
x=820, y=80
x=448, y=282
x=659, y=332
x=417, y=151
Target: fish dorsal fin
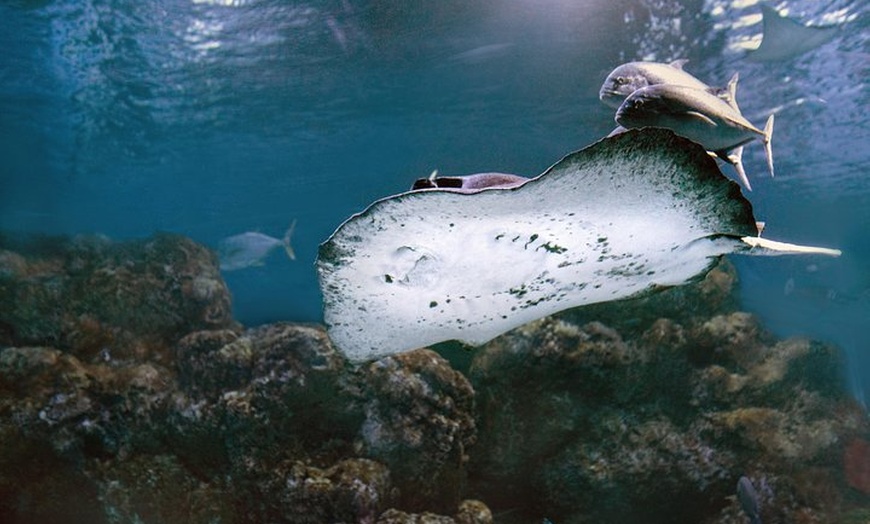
x=702, y=117
x=732, y=90
x=679, y=63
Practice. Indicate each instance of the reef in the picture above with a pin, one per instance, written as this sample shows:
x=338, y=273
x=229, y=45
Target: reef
x=129, y=394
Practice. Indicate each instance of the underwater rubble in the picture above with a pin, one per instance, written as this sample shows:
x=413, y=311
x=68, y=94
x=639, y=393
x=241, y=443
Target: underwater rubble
x=129, y=394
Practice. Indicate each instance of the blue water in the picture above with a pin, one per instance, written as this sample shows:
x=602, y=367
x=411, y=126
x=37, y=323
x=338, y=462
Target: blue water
x=215, y=117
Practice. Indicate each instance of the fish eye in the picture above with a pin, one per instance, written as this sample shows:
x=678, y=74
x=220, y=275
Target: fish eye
x=620, y=80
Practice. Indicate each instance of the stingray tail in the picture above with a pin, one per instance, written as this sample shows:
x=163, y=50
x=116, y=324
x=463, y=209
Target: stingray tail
x=286, y=241
x=768, y=137
x=772, y=247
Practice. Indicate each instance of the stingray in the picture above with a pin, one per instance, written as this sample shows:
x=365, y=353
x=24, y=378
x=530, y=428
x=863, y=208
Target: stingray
x=628, y=215
x=785, y=38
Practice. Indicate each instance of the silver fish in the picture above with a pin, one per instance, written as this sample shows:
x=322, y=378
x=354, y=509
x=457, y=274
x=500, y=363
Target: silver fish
x=629, y=77
x=250, y=249
x=749, y=500
x=697, y=115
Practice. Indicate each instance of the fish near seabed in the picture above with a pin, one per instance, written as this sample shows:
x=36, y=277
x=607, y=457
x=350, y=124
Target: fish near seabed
x=251, y=248
x=749, y=500
x=631, y=76
x=694, y=114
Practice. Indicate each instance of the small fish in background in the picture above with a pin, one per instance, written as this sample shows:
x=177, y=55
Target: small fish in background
x=749, y=500
x=481, y=54
x=251, y=249
x=784, y=38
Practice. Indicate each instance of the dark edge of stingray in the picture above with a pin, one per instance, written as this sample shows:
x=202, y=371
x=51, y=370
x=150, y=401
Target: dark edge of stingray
x=693, y=155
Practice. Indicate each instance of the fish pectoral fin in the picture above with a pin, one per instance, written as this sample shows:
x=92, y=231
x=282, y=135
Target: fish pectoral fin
x=735, y=158
x=700, y=116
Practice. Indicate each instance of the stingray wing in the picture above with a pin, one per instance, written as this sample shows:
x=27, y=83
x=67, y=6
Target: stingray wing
x=785, y=38
x=625, y=215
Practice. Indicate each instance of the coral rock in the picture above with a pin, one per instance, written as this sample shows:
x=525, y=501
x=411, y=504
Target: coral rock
x=856, y=463
x=99, y=299
x=419, y=421
x=586, y=424
x=473, y=512
x=470, y=512
x=354, y=490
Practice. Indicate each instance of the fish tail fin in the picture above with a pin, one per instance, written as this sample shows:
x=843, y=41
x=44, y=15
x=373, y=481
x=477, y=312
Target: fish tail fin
x=768, y=138
x=286, y=241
